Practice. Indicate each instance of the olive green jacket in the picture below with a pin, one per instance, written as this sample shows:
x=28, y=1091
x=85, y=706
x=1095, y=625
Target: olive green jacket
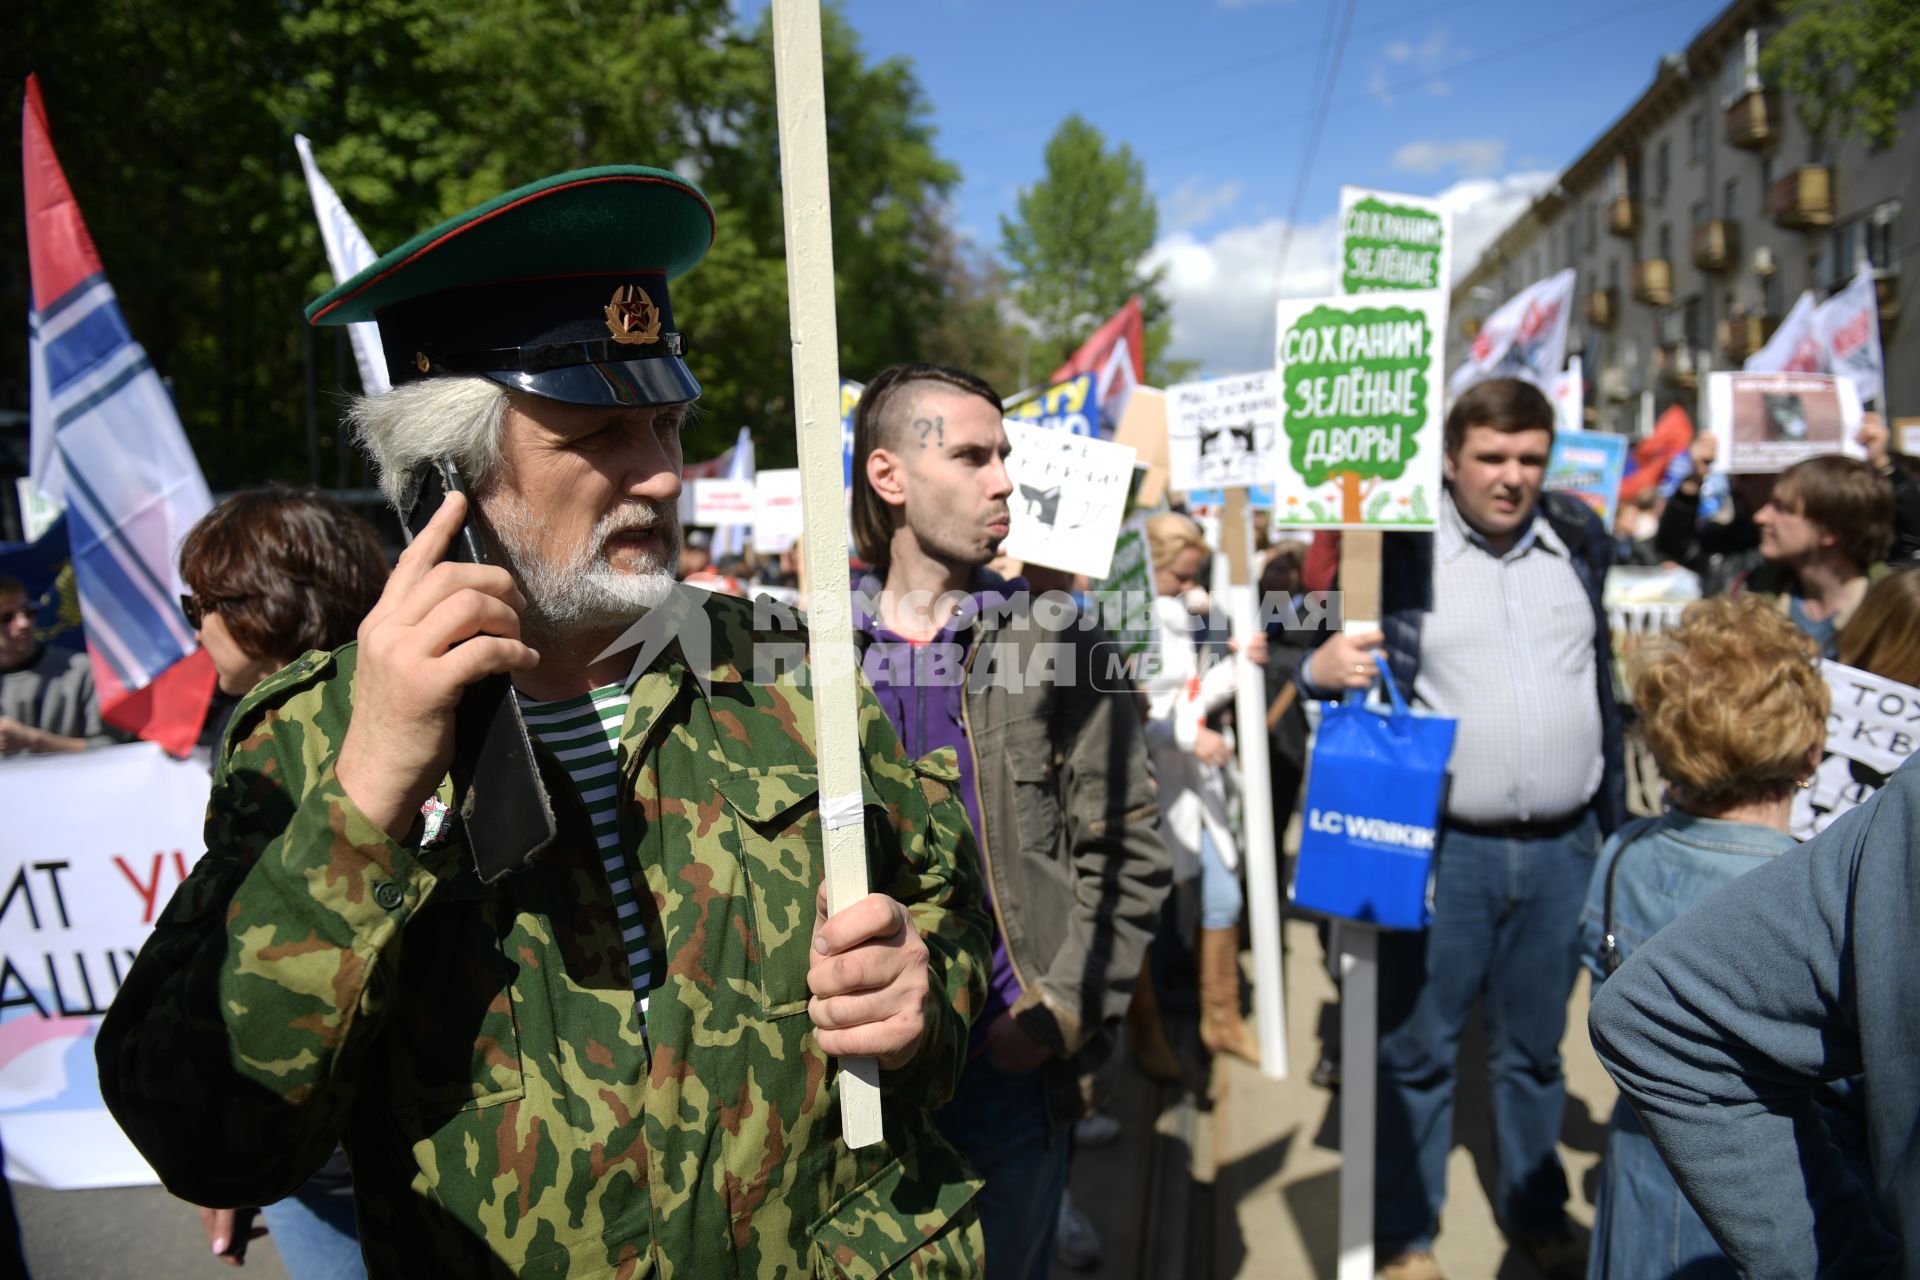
x=480, y=1050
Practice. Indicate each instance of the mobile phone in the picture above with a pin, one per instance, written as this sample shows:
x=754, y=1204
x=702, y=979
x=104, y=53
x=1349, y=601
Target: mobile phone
x=497, y=789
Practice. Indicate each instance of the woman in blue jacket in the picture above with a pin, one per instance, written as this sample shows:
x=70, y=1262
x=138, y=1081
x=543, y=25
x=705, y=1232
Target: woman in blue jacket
x=1734, y=710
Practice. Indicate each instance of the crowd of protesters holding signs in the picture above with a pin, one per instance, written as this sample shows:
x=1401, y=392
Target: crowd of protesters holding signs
x=621, y=1054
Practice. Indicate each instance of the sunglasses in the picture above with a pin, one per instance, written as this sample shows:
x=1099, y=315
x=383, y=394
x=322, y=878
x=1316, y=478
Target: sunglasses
x=198, y=607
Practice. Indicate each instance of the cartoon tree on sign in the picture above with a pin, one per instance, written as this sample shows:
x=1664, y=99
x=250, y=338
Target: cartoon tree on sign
x=1358, y=282
x=1315, y=441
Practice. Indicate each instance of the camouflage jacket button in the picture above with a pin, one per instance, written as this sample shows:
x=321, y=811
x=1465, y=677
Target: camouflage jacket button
x=389, y=895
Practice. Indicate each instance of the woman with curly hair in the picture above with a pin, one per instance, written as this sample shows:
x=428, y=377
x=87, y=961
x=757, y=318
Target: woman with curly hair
x=1734, y=709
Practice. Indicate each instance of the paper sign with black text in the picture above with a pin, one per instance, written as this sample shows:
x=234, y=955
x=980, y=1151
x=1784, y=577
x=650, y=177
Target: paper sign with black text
x=1766, y=422
x=1069, y=497
x=1871, y=731
x=1223, y=433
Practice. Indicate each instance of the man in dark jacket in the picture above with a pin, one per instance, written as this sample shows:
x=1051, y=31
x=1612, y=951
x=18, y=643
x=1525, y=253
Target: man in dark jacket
x=1053, y=772
x=1494, y=619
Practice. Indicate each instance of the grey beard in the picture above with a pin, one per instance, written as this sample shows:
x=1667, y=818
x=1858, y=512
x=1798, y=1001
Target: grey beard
x=577, y=591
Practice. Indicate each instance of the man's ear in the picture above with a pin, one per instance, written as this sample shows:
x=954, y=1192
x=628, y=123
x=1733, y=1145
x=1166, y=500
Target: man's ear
x=886, y=475
x=1447, y=467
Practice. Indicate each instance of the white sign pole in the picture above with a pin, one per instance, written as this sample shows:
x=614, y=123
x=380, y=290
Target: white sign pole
x=1359, y=973
x=801, y=92
x=1256, y=793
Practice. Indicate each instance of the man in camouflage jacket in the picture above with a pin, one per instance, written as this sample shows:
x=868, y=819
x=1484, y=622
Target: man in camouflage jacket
x=335, y=971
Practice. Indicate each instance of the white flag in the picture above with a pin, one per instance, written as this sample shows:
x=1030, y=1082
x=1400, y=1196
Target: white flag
x=1526, y=338
x=347, y=253
x=1847, y=326
x=1794, y=347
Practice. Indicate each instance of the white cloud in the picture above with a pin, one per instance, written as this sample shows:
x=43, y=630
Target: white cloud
x=1223, y=290
x=1192, y=204
x=1473, y=157
x=1377, y=87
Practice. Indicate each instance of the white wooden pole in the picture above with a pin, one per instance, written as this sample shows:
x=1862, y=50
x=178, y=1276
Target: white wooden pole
x=801, y=92
x=1256, y=792
x=1359, y=972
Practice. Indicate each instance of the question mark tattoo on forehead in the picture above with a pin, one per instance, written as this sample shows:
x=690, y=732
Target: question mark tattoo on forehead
x=935, y=427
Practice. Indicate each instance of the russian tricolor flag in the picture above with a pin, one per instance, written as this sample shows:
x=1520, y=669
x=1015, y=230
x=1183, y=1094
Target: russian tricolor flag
x=107, y=442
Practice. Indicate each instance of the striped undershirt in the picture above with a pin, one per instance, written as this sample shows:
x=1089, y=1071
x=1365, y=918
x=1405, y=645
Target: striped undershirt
x=583, y=733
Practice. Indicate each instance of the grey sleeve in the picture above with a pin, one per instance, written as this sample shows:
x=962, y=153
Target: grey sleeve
x=1718, y=1030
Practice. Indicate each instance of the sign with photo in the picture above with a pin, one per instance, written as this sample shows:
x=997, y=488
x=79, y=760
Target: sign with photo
x=1391, y=243
x=1589, y=465
x=1065, y=406
x=1069, y=497
x=1870, y=733
x=1360, y=404
x=1223, y=433
x=1766, y=422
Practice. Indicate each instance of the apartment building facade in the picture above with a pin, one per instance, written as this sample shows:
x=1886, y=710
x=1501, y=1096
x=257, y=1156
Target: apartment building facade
x=1697, y=219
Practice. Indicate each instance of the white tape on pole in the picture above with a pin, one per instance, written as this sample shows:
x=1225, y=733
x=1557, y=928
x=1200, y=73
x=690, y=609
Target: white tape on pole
x=801, y=93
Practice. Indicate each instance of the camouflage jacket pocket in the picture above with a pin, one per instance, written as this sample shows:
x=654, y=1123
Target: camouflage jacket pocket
x=910, y=1209
x=777, y=821
x=458, y=1038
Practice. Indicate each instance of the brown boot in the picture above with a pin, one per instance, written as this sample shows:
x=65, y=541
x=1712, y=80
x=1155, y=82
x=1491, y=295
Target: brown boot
x=1149, y=1039
x=1221, y=1028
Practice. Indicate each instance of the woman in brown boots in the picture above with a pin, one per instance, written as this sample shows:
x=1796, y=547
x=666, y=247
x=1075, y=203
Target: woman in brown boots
x=1195, y=769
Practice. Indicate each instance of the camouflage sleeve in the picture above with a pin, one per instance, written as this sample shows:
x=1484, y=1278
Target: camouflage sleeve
x=936, y=874
x=229, y=1054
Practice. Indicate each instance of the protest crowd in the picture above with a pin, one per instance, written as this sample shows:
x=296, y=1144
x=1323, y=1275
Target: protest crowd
x=595, y=882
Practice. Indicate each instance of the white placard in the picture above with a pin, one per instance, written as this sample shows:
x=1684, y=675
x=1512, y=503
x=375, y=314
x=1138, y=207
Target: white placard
x=1391, y=242
x=1359, y=382
x=1871, y=731
x=1223, y=433
x=1069, y=496
x=723, y=502
x=1766, y=422
x=93, y=847
x=777, y=516
x=1909, y=439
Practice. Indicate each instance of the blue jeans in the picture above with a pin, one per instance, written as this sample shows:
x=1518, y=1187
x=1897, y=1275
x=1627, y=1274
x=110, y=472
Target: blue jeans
x=313, y=1232
x=1506, y=918
x=1220, y=896
x=998, y=1122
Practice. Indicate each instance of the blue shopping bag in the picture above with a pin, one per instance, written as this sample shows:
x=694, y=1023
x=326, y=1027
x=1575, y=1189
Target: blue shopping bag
x=1377, y=777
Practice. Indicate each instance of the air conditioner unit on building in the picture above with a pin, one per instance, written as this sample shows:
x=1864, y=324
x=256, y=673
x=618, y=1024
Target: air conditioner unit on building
x=1613, y=384
x=1763, y=261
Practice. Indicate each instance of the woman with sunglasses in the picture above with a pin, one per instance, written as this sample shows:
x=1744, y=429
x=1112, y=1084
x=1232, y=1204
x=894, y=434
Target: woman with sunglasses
x=275, y=572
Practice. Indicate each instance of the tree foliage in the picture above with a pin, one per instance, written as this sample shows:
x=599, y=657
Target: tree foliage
x=1851, y=66
x=1078, y=245
x=174, y=121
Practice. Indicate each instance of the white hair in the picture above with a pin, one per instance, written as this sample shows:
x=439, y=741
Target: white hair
x=458, y=418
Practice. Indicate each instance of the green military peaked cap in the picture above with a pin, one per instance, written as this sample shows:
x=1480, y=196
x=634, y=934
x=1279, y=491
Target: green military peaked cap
x=558, y=288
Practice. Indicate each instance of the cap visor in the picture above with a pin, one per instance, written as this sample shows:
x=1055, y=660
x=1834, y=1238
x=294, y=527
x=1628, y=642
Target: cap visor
x=662, y=380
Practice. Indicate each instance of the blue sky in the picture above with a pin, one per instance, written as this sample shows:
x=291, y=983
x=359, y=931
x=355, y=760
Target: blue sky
x=1482, y=103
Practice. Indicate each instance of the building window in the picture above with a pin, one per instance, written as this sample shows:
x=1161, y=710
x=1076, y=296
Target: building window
x=1572, y=246
x=1869, y=240
x=1613, y=276
x=1699, y=213
x=1697, y=136
x=1770, y=294
x=1730, y=209
x=1690, y=321
x=1662, y=170
x=1766, y=177
x=1593, y=224
x=1741, y=74
x=1666, y=243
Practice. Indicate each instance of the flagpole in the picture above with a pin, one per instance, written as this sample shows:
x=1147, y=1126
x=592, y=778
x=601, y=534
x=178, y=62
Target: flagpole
x=799, y=85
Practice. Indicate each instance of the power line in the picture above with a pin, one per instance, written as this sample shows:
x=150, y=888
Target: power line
x=1313, y=142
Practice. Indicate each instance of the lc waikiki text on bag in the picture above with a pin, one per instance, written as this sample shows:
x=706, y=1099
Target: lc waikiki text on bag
x=1377, y=775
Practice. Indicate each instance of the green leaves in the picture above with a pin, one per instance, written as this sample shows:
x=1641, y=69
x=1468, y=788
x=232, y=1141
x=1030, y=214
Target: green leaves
x=1850, y=66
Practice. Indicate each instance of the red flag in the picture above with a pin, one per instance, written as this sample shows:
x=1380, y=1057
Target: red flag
x=1126, y=325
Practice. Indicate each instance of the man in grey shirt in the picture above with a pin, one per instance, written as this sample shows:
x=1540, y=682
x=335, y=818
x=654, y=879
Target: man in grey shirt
x=47, y=701
x=1496, y=620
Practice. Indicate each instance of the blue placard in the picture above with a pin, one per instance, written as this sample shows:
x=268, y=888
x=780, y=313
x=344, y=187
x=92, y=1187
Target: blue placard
x=1590, y=466
x=1064, y=406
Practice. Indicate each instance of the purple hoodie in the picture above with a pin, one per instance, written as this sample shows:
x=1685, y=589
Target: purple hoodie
x=920, y=685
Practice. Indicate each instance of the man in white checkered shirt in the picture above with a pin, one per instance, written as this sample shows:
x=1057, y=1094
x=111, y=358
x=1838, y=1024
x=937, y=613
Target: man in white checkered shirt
x=1494, y=619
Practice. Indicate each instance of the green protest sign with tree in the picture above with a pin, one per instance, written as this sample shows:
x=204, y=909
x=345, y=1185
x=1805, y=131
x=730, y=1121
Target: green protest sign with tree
x=1361, y=411
x=1391, y=243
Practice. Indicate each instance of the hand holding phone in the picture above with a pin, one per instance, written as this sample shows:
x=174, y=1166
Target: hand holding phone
x=440, y=627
